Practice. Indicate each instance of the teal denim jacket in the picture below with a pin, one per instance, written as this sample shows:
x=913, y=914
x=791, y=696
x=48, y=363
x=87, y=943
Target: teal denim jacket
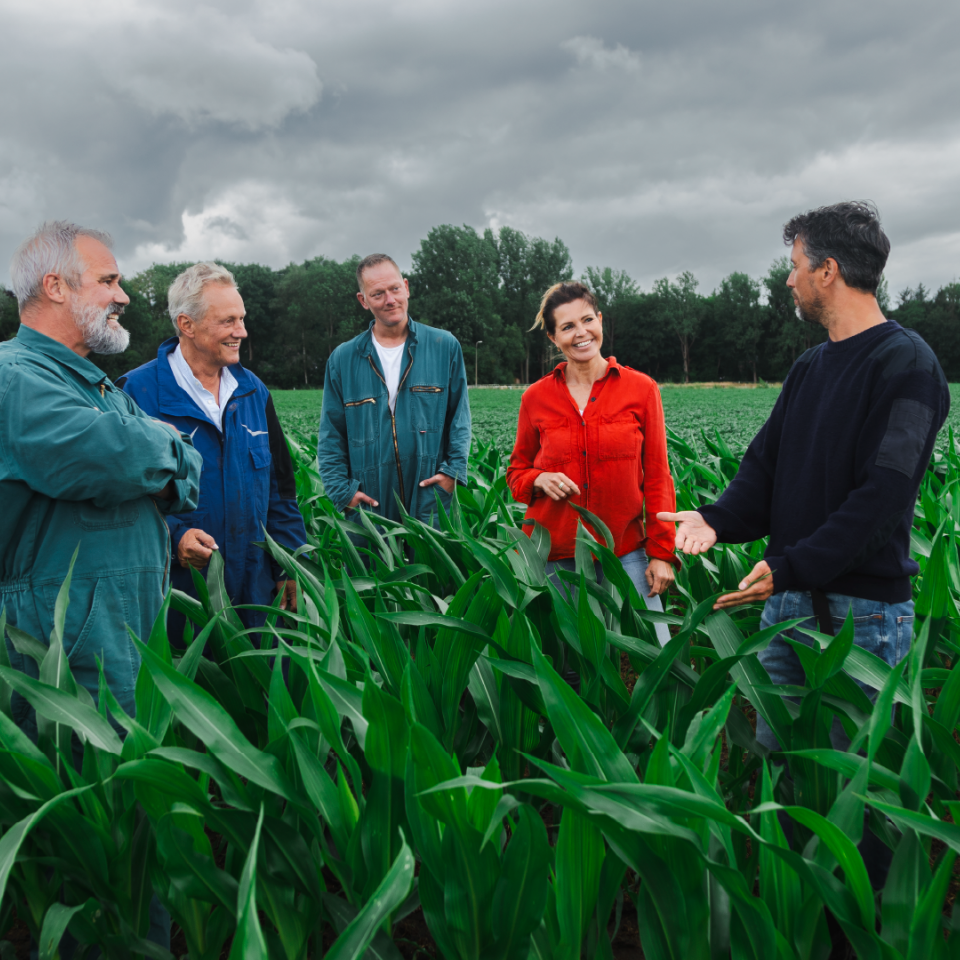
x=362, y=446
x=78, y=462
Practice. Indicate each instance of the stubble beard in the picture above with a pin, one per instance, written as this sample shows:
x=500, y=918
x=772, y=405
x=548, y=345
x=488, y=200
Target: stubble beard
x=98, y=335
x=812, y=312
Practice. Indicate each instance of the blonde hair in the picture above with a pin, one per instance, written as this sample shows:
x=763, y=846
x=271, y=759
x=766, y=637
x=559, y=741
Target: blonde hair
x=567, y=291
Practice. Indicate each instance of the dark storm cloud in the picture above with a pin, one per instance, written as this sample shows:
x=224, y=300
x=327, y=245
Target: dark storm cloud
x=650, y=137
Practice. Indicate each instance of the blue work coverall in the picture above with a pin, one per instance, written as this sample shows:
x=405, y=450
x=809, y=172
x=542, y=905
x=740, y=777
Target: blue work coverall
x=247, y=482
x=363, y=446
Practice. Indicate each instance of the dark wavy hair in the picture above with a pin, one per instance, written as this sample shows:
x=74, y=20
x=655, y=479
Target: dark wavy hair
x=847, y=232
x=560, y=293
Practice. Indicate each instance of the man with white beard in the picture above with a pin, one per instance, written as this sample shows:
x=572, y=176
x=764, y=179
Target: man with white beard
x=81, y=463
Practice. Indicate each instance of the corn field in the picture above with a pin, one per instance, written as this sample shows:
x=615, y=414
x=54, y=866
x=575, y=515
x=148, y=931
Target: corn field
x=408, y=739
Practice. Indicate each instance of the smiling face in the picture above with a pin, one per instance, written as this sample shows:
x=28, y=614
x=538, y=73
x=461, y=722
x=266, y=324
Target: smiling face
x=385, y=294
x=97, y=305
x=577, y=331
x=218, y=335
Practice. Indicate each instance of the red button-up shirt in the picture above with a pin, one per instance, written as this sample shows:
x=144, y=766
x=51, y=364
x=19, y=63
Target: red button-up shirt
x=615, y=452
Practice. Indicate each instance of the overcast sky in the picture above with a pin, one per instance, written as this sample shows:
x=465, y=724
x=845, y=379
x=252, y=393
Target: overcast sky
x=650, y=137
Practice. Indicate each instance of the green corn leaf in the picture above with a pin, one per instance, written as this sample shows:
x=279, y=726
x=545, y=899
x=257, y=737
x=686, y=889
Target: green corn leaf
x=26, y=645
x=65, y=709
x=420, y=618
x=750, y=676
x=832, y=659
x=249, y=942
x=12, y=840
x=55, y=922
x=925, y=928
x=521, y=892
x=483, y=689
x=392, y=891
x=579, y=862
x=200, y=713
x=587, y=743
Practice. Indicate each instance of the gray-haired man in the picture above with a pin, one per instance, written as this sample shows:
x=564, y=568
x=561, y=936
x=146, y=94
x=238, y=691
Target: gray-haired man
x=198, y=384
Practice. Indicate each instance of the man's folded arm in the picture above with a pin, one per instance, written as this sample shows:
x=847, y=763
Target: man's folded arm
x=68, y=451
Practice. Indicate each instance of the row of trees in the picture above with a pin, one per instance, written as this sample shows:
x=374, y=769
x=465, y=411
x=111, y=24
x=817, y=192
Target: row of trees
x=485, y=288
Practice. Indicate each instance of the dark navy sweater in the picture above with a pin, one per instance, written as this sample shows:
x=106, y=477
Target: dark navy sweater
x=833, y=475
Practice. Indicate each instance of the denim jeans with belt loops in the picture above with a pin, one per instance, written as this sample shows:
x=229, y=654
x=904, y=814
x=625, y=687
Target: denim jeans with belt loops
x=885, y=629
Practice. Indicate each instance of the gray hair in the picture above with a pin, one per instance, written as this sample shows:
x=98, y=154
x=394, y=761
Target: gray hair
x=186, y=292
x=52, y=249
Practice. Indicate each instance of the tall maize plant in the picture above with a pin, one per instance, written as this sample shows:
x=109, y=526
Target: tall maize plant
x=407, y=741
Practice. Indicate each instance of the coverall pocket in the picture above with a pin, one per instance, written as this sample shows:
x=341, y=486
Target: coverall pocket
x=361, y=416
x=90, y=517
x=87, y=633
x=429, y=407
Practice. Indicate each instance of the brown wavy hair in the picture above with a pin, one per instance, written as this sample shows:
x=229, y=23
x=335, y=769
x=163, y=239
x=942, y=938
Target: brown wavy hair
x=567, y=291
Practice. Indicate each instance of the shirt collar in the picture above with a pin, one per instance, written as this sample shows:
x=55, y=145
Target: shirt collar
x=84, y=368
x=365, y=340
x=612, y=367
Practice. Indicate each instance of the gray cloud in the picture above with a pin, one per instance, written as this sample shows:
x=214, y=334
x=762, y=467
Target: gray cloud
x=650, y=137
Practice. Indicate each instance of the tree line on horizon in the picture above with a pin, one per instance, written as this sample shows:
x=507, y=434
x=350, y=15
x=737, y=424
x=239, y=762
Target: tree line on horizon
x=486, y=287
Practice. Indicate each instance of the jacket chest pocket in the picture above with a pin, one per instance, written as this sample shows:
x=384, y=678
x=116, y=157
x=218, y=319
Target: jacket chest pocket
x=361, y=416
x=260, y=475
x=89, y=517
x=556, y=442
x=619, y=438
x=429, y=406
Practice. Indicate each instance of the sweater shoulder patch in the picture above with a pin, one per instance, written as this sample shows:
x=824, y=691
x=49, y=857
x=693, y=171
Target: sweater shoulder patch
x=907, y=432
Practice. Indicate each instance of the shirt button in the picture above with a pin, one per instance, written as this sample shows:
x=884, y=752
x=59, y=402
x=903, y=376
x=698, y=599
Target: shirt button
x=592, y=399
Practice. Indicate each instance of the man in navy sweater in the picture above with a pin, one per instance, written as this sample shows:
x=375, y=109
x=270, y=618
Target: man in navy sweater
x=833, y=475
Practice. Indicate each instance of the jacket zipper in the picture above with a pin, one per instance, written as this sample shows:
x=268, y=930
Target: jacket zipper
x=357, y=403
x=426, y=389
x=393, y=421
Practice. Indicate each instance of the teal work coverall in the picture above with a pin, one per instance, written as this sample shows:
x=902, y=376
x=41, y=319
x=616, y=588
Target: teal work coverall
x=363, y=446
x=79, y=461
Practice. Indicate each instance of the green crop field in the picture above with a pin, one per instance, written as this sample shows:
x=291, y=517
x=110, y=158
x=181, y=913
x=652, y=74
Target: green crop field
x=737, y=413
x=406, y=773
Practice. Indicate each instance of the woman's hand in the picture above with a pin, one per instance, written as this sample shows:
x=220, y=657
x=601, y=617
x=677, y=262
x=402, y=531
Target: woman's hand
x=659, y=575
x=557, y=486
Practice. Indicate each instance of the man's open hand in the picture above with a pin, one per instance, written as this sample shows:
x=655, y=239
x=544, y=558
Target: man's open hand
x=446, y=483
x=196, y=548
x=756, y=587
x=694, y=534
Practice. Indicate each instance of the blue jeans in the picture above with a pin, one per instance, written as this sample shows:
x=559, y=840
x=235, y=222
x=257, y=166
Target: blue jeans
x=635, y=566
x=885, y=629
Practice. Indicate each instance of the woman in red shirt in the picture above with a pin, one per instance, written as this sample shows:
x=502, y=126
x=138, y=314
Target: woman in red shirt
x=591, y=432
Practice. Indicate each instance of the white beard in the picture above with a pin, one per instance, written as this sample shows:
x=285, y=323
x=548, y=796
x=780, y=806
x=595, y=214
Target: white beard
x=98, y=335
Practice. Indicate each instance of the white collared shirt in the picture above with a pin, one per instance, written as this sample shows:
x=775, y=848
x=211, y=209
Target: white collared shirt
x=197, y=392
